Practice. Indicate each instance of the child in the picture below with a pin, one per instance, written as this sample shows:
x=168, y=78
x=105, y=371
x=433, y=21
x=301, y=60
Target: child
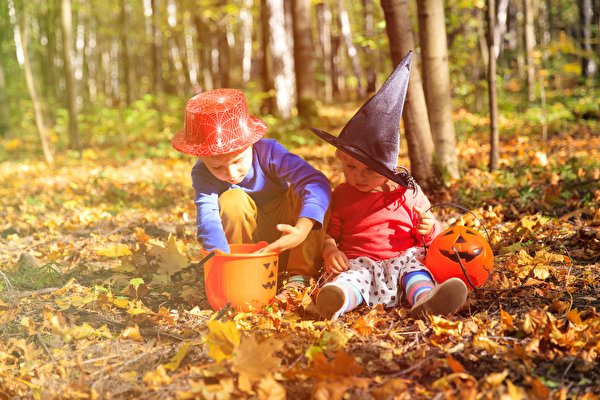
x=380, y=217
x=249, y=189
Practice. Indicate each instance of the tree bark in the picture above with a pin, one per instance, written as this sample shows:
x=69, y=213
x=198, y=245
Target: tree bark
x=303, y=60
x=324, y=27
x=344, y=24
x=529, y=47
x=67, y=44
x=494, y=136
x=246, y=18
x=436, y=83
x=4, y=108
x=369, y=35
x=281, y=54
x=416, y=121
x=586, y=14
x=37, y=106
x=125, y=53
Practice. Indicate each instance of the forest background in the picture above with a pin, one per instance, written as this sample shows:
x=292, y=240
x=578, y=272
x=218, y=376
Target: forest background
x=101, y=294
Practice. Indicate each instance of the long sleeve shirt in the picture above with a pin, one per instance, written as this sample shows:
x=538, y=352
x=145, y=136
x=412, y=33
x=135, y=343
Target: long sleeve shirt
x=274, y=169
x=378, y=225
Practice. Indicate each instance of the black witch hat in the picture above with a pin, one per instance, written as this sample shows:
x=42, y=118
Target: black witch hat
x=372, y=136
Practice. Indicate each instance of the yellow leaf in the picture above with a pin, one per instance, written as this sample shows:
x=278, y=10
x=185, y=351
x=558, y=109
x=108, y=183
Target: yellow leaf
x=132, y=332
x=114, y=250
x=121, y=303
x=170, y=258
x=175, y=361
x=254, y=359
x=157, y=377
x=222, y=340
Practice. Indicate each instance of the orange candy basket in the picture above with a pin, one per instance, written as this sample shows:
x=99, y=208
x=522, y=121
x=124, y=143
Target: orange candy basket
x=242, y=278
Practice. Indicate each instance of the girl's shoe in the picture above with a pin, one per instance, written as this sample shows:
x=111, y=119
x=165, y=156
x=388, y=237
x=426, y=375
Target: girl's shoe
x=330, y=300
x=443, y=299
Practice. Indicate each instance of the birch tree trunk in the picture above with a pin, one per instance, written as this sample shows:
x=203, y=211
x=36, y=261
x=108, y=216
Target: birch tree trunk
x=324, y=27
x=369, y=35
x=67, y=42
x=586, y=13
x=416, y=121
x=344, y=24
x=303, y=60
x=494, y=136
x=4, y=108
x=246, y=18
x=529, y=46
x=436, y=83
x=283, y=69
x=125, y=52
x=37, y=106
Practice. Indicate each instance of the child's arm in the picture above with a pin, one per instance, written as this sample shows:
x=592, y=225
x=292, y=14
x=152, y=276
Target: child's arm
x=335, y=260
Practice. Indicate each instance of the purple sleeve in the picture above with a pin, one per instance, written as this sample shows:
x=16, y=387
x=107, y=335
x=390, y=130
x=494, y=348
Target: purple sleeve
x=310, y=185
x=207, y=189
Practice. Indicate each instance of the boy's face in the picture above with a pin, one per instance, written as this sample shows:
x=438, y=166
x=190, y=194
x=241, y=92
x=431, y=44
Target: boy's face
x=359, y=175
x=231, y=167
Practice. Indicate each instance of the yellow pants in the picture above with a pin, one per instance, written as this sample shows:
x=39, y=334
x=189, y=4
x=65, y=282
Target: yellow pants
x=245, y=222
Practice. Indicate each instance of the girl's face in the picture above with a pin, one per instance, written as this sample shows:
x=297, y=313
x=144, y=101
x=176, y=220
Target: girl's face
x=359, y=175
x=231, y=167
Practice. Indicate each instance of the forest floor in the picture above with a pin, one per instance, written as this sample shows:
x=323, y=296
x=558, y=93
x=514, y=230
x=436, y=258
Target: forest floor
x=101, y=295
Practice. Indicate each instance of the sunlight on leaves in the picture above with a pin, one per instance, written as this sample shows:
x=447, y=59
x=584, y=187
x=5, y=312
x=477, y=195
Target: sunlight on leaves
x=253, y=360
x=222, y=340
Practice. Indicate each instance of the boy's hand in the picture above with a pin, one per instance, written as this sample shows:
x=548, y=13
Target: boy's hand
x=291, y=236
x=426, y=221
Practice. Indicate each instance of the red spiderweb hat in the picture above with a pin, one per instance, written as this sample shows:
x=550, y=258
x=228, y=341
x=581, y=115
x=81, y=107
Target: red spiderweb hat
x=217, y=122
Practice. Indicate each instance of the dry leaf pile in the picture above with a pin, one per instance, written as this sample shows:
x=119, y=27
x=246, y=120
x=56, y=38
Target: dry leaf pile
x=102, y=296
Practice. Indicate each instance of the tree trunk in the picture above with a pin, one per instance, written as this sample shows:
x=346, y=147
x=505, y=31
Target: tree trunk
x=324, y=27
x=204, y=57
x=37, y=106
x=283, y=76
x=344, y=24
x=586, y=14
x=71, y=95
x=529, y=47
x=303, y=60
x=370, y=36
x=494, y=136
x=246, y=18
x=416, y=121
x=125, y=53
x=156, y=53
x=4, y=107
x=269, y=105
x=436, y=83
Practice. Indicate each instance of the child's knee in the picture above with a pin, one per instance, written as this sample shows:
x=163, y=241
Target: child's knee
x=235, y=204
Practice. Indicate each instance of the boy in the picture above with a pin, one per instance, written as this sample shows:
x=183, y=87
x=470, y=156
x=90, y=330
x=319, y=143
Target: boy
x=249, y=189
x=380, y=217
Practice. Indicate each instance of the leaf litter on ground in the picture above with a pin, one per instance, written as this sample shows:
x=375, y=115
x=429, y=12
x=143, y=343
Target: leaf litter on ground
x=100, y=296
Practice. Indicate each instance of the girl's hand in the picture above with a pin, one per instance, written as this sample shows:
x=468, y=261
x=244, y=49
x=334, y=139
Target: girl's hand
x=426, y=221
x=335, y=260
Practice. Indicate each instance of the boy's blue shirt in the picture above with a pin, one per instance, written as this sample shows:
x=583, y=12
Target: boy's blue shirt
x=274, y=169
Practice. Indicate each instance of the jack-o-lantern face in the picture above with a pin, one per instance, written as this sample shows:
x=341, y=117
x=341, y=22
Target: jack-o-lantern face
x=271, y=281
x=456, y=245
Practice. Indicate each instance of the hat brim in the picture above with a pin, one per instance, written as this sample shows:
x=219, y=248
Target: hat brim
x=258, y=130
x=359, y=155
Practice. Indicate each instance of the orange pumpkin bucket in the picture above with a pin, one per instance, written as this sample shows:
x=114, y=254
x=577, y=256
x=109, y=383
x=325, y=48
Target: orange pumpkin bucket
x=242, y=278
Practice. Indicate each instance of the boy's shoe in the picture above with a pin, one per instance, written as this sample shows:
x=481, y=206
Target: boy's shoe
x=296, y=283
x=330, y=300
x=445, y=298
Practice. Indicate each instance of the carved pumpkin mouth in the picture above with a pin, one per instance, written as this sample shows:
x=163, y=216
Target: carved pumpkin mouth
x=463, y=255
